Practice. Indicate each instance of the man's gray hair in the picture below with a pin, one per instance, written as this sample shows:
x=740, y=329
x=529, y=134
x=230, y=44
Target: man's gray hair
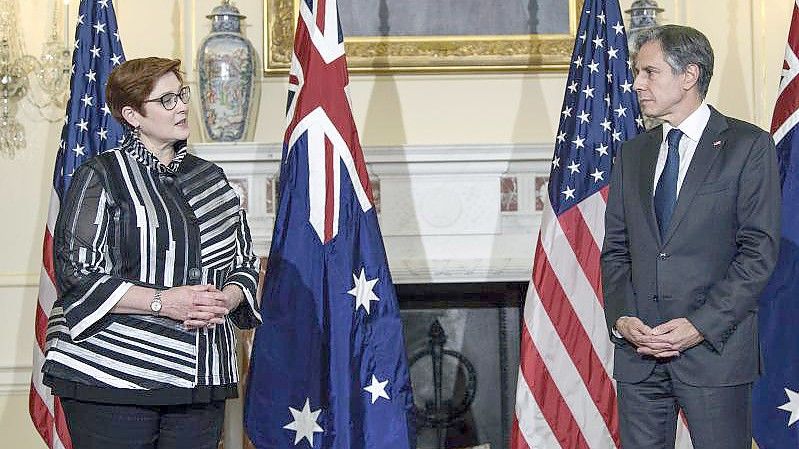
x=682, y=46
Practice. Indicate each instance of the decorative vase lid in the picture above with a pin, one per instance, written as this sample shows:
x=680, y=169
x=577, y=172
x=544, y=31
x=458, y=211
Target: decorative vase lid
x=226, y=17
x=641, y=5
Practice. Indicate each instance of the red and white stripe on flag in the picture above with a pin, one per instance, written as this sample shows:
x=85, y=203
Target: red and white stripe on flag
x=45, y=409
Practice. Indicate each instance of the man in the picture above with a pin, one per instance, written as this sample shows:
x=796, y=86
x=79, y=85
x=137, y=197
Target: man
x=692, y=232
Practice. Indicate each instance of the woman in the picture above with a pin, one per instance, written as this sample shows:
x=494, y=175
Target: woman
x=154, y=265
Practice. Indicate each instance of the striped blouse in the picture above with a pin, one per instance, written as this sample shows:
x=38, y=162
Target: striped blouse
x=129, y=220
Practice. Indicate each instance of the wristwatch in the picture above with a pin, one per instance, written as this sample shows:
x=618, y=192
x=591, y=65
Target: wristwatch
x=155, y=304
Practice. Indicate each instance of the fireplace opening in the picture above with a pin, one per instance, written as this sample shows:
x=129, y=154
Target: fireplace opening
x=462, y=341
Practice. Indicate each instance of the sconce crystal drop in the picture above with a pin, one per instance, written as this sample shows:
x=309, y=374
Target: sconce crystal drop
x=53, y=73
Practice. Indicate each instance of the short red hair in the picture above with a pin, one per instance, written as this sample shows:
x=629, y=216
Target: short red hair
x=131, y=83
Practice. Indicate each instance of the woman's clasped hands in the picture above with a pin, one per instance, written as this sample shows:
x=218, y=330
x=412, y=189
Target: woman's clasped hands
x=196, y=306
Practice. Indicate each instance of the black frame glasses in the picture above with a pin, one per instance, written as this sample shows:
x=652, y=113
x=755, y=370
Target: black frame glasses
x=170, y=99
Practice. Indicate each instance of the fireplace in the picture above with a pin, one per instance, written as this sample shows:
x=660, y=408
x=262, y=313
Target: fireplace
x=459, y=224
x=462, y=341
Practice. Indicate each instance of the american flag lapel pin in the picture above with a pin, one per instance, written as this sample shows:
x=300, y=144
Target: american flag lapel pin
x=717, y=143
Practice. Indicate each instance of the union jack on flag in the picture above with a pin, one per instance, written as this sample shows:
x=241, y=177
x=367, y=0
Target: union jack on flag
x=89, y=129
x=328, y=366
x=565, y=394
x=775, y=399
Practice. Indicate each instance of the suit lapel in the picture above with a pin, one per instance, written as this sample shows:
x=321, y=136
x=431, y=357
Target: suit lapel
x=706, y=152
x=649, y=156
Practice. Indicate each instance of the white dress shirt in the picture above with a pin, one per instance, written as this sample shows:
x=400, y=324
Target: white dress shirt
x=692, y=127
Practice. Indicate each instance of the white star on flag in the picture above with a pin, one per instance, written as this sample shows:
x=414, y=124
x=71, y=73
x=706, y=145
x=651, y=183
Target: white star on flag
x=626, y=86
x=304, y=423
x=573, y=87
x=362, y=291
x=83, y=125
x=569, y=192
x=87, y=100
x=90, y=75
x=791, y=406
x=377, y=389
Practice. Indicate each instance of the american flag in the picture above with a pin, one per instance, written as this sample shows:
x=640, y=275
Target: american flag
x=88, y=130
x=565, y=394
x=328, y=366
x=775, y=405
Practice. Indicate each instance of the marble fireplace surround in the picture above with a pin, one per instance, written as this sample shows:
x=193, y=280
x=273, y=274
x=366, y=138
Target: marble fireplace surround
x=448, y=213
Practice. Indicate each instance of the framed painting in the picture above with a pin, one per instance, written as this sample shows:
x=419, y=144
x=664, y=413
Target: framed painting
x=437, y=35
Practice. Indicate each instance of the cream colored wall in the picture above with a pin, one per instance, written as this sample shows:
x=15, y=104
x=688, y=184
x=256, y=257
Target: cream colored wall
x=748, y=36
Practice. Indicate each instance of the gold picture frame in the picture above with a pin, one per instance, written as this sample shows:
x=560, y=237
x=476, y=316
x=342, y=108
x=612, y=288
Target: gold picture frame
x=392, y=54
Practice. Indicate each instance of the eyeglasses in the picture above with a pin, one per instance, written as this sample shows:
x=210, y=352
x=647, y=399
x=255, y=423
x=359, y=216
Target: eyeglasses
x=170, y=99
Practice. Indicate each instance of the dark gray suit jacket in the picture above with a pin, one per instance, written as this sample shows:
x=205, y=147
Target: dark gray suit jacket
x=714, y=260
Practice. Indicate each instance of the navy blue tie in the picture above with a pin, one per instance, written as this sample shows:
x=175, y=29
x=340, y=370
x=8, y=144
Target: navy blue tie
x=666, y=190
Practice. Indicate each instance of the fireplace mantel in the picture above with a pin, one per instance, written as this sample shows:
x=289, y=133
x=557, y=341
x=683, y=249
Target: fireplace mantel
x=448, y=213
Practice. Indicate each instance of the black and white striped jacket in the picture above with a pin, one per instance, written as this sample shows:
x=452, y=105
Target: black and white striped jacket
x=129, y=220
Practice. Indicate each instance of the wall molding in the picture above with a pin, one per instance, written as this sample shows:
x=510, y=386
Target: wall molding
x=12, y=280
x=15, y=380
x=385, y=154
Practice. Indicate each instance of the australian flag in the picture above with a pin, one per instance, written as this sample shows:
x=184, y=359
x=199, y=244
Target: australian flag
x=328, y=367
x=776, y=394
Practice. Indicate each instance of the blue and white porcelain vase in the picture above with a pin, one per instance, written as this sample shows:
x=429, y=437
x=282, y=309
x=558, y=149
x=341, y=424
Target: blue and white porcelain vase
x=227, y=69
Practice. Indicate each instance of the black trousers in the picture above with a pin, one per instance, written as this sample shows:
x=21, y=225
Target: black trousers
x=717, y=417
x=107, y=426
